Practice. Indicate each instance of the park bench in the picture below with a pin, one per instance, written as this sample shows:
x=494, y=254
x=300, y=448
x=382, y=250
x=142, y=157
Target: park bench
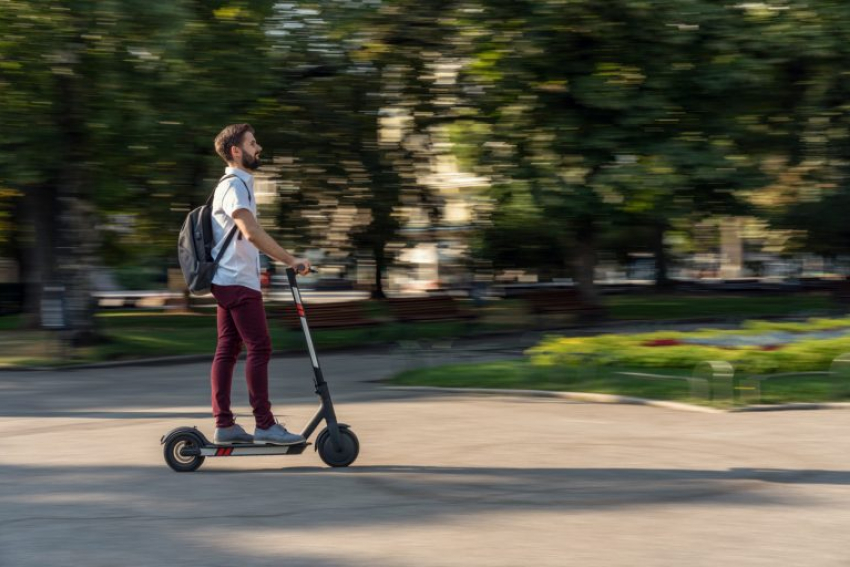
x=567, y=301
x=428, y=308
x=11, y=298
x=336, y=315
x=841, y=291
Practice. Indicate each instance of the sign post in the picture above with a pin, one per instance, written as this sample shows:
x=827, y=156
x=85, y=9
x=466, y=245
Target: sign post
x=54, y=316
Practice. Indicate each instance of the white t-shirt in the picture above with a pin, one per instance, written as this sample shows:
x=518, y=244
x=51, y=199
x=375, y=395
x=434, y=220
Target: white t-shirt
x=240, y=264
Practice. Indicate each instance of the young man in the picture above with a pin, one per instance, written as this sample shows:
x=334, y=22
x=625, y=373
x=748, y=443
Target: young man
x=236, y=287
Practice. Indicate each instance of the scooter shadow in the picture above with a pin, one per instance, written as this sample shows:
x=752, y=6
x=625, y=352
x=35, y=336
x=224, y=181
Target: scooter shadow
x=767, y=475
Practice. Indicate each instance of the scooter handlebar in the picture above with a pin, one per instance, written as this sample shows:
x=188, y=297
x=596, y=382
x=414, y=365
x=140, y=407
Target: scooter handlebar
x=300, y=268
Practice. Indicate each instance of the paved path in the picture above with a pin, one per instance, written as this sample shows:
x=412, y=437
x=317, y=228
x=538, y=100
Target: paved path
x=442, y=480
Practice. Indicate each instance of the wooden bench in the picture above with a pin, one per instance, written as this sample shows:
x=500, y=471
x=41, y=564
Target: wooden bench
x=841, y=291
x=321, y=315
x=561, y=302
x=428, y=308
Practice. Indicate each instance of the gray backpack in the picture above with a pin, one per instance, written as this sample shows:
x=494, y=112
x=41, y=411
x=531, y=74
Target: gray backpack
x=195, y=244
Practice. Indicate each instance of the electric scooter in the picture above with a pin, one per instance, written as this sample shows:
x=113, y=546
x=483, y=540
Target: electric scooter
x=185, y=448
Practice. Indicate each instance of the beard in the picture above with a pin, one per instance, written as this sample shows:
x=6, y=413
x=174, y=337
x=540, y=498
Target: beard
x=251, y=162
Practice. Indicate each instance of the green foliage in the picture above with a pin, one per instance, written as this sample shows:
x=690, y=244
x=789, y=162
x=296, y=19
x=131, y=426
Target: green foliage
x=356, y=123
x=816, y=324
x=670, y=306
x=822, y=220
x=600, y=107
x=643, y=351
x=599, y=124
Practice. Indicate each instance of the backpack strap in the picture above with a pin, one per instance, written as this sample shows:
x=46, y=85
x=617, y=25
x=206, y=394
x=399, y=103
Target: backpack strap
x=228, y=176
x=234, y=229
x=225, y=245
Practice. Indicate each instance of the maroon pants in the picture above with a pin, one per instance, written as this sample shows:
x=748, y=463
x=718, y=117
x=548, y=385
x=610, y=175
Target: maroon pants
x=241, y=319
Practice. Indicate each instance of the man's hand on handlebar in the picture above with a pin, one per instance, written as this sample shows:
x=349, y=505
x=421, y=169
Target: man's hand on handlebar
x=301, y=266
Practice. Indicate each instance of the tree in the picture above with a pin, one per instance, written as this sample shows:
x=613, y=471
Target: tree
x=350, y=180
x=598, y=110
x=811, y=188
x=112, y=107
x=65, y=104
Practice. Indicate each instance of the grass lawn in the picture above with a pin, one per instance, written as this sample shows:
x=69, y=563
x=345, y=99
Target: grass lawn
x=521, y=374
x=661, y=307
x=197, y=332
x=134, y=334
x=10, y=322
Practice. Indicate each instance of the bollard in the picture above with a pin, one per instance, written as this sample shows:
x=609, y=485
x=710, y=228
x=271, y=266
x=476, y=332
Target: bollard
x=54, y=314
x=712, y=380
x=839, y=370
x=748, y=390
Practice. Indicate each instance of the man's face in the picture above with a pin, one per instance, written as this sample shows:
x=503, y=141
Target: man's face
x=250, y=152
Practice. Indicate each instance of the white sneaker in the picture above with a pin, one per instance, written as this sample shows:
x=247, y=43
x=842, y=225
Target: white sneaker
x=231, y=435
x=277, y=435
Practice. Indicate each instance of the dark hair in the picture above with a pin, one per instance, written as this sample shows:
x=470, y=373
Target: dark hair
x=231, y=136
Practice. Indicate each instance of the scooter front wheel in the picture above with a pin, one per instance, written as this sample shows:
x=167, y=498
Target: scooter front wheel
x=348, y=450
x=182, y=453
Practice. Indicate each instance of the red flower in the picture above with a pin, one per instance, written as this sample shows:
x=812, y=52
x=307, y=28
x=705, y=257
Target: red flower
x=662, y=342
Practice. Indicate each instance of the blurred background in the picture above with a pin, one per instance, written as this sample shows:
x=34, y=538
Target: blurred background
x=478, y=149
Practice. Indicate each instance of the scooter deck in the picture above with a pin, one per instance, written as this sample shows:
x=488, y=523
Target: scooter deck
x=247, y=449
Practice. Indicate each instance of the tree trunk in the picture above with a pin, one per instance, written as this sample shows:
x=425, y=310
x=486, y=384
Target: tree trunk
x=380, y=268
x=662, y=281
x=76, y=247
x=585, y=264
x=77, y=258
x=35, y=239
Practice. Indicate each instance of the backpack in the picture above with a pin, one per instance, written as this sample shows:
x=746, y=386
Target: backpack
x=195, y=244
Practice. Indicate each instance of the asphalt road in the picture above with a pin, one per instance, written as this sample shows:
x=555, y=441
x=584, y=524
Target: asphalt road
x=441, y=480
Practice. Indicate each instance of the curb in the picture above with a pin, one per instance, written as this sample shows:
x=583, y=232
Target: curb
x=572, y=396
x=177, y=359
x=594, y=398
x=796, y=406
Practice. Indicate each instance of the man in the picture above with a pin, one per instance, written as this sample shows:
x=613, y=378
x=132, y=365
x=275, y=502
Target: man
x=241, y=317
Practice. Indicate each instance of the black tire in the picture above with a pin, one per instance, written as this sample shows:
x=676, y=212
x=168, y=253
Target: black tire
x=174, y=453
x=348, y=451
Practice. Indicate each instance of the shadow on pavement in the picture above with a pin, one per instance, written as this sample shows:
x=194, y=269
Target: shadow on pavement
x=156, y=491
x=780, y=476
x=113, y=509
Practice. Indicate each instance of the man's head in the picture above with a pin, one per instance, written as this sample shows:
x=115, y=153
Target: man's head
x=237, y=146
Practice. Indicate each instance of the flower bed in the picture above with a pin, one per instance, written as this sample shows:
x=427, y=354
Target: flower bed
x=757, y=348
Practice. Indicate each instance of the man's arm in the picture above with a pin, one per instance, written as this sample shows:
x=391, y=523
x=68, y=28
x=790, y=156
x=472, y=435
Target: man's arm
x=256, y=235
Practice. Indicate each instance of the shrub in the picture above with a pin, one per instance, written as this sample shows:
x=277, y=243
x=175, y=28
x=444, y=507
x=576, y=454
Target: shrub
x=672, y=349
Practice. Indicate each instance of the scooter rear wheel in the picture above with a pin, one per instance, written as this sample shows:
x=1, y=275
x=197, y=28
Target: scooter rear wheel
x=348, y=451
x=176, y=453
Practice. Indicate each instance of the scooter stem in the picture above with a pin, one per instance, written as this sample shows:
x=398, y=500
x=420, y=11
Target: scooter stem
x=326, y=411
